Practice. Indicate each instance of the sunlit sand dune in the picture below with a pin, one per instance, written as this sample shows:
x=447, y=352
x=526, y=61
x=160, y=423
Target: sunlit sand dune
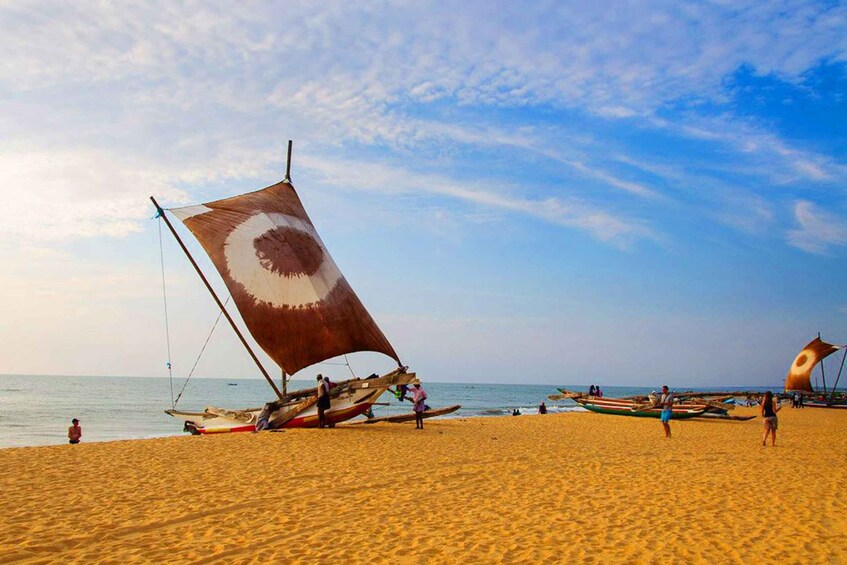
x=566, y=487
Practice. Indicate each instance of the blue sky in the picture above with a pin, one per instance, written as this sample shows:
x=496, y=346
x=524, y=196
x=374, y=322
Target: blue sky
x=626, y=193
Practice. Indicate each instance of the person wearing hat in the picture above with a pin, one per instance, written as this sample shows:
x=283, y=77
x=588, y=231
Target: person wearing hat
x=419, y=398
x=74, y=432
x=323, y=400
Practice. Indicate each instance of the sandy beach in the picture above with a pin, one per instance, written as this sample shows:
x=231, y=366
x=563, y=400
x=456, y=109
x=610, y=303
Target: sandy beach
x=565, y=487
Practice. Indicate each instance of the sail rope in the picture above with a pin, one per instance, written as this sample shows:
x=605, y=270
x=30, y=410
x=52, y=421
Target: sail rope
x=346, y=362
x=202, y=349
x=165, y=301
x=174, y=400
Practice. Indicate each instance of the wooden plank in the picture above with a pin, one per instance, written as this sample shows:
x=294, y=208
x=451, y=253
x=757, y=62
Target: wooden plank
x=387, y=380
x=294, y=412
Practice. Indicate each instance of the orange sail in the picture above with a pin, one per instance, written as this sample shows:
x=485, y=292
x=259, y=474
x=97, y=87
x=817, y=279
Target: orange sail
x=799, y=376
x=290, y=293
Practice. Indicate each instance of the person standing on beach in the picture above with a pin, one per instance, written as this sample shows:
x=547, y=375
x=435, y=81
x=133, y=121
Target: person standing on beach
x=769, y=410
x=543, y=408
x=667, y=409
x=323, y=400
x=74, y=432
x=419, y=398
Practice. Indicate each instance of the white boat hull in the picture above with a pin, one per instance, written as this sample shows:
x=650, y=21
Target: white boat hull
x=345, y=404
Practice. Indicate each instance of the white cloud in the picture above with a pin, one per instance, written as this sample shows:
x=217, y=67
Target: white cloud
x=345, y=74
x=819, y=230
x=602, y=224
x=57, y=195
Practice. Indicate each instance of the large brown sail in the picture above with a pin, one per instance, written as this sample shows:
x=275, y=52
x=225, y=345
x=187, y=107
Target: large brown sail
x=290, y=293
x=799, y=375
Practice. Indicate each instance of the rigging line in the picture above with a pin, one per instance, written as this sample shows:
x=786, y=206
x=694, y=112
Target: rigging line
x=346, y=362
x=167, y=325
x=202, y=349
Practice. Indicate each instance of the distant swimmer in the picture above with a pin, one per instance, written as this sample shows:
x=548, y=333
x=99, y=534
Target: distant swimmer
x=543, y=408
x=74, y=432
x=666, y=401
x=769, y=410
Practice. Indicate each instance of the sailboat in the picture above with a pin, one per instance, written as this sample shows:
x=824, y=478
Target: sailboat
x=799, y=379
x=293, y=300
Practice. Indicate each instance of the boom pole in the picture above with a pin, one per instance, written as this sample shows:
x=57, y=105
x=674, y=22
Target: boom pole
x=268, y=378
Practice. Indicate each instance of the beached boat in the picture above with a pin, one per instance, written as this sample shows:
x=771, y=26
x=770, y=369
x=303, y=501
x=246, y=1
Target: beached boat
x=799, y=379
x=410, y=416
x=294, y=301
x=630, y=407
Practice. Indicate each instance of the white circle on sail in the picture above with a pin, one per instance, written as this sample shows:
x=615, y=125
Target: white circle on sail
x=803, y=362
x=276, y=289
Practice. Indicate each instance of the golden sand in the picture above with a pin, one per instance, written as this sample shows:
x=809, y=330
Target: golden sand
x=559, y=488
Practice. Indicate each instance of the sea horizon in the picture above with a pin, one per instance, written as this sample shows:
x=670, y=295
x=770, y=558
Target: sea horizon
x=180, y=380
x=37, y=409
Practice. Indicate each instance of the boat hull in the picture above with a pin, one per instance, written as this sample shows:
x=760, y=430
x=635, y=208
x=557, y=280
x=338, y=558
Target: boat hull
x=623, y=407
x=345, y=406
x=819, y=404
x=410, y=416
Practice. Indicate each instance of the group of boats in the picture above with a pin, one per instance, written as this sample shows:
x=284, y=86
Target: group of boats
x=299, y=308
x=717, y=405
x=686, y=405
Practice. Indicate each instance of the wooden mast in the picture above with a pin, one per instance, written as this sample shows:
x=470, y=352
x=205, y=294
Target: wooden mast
x=832, y=394
x=823, y=375
x=288, y=163
x=288, y=180
x=268, y=378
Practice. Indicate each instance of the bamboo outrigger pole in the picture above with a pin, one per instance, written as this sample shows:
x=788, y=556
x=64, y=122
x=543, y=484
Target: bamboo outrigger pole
x=268, y=378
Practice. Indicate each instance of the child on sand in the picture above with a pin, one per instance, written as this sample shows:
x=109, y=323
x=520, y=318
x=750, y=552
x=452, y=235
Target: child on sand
x=74, y=432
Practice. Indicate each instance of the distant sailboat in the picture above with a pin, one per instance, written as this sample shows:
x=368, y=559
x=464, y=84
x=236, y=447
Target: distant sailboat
x=799, y=379
x=294, y=301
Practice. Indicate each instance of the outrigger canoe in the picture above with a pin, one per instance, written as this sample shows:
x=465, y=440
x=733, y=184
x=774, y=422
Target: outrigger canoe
x=627, y=407
x=410, y=416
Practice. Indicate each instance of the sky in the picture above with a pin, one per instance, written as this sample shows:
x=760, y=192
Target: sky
x=626, y=193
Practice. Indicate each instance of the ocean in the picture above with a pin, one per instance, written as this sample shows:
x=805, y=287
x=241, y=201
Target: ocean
x=37, y=410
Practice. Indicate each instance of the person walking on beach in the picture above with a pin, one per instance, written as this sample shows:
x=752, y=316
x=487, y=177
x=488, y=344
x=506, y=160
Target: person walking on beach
x=323, y=401
x=419, y=398
x=74, y=432
x=769, y=410
x=667, y=409
x=543, y=408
